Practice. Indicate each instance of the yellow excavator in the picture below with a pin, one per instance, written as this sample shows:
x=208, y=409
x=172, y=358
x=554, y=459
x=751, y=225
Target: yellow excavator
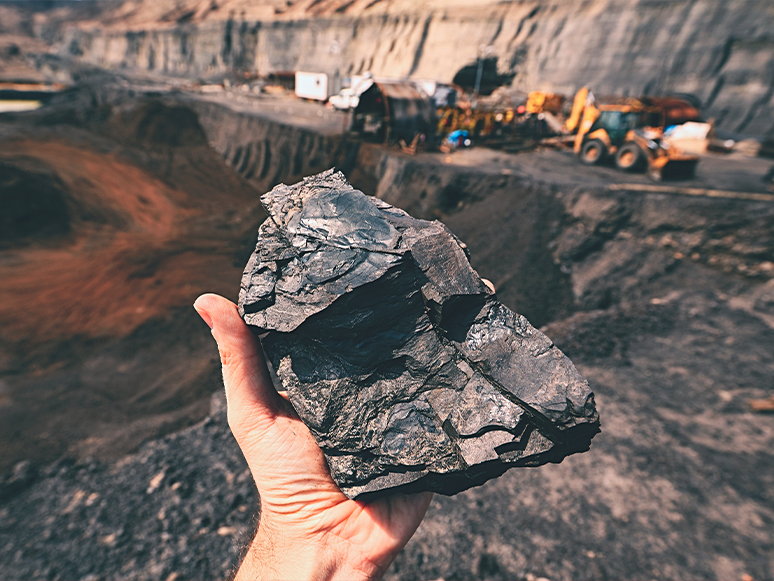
x=629, y=130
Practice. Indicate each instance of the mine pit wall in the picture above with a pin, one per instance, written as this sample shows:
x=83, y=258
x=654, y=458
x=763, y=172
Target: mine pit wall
x=266, y=152
x=721, y=51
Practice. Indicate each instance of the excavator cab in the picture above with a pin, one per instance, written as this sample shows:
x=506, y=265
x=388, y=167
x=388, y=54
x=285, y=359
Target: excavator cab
x=617, y=124
x=603, y=129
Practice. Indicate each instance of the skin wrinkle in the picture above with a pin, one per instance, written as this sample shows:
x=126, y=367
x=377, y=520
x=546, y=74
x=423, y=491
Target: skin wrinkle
x=353, y=517
x=376, y=570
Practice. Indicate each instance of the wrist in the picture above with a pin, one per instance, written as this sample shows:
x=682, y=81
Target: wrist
x=277, y=554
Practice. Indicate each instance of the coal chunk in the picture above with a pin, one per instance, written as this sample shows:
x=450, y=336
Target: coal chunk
x=400, y=360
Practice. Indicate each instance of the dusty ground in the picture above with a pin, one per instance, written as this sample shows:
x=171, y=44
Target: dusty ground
x=664, y=302
x=678, y=484
x=728, y=172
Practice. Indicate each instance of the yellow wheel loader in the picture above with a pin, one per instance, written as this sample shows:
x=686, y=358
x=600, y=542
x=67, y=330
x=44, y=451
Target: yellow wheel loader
x=631, y=132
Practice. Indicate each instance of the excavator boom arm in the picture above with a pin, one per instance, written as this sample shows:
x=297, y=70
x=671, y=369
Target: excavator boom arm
x=578, y=105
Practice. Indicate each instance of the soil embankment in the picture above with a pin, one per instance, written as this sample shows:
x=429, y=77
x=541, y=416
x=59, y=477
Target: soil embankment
x=102, y=256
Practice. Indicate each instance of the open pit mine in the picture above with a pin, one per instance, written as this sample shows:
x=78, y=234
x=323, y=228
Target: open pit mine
x=137, y=138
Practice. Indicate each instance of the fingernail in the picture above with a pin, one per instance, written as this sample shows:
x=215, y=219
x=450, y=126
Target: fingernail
x=204, y=315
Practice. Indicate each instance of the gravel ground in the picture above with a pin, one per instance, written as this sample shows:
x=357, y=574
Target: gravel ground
x=178, y=509
x=677, y=486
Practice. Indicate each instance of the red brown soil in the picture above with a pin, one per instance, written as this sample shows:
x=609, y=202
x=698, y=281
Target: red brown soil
x=149, y=228
x=109, y=279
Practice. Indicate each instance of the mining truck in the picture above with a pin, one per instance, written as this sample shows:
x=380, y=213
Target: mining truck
x=631, y=132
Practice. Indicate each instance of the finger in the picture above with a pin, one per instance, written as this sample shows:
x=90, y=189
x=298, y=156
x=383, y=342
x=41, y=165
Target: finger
x=488, y=283
x=249, y=388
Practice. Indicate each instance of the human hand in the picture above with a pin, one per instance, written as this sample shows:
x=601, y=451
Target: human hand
x=308, y=529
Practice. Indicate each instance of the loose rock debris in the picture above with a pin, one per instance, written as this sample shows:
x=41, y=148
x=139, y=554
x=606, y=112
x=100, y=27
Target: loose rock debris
x=762, y=405
x=409, y=372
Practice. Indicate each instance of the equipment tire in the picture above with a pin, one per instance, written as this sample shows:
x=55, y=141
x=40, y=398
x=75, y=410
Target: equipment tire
x=593, y=152
x=630, y=157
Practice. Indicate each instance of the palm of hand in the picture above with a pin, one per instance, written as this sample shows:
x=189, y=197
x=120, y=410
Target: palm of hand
x=301, y=507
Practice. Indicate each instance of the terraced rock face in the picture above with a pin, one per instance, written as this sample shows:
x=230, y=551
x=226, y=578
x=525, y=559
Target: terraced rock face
x=721, y=52
x=407, y=369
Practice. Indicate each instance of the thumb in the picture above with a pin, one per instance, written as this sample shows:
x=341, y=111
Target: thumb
x=250, y=392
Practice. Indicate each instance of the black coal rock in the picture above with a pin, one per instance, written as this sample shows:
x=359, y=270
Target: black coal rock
x=400, y=360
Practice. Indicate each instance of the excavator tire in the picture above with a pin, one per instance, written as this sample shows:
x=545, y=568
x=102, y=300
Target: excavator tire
x=630, y=157
x=593, y=152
